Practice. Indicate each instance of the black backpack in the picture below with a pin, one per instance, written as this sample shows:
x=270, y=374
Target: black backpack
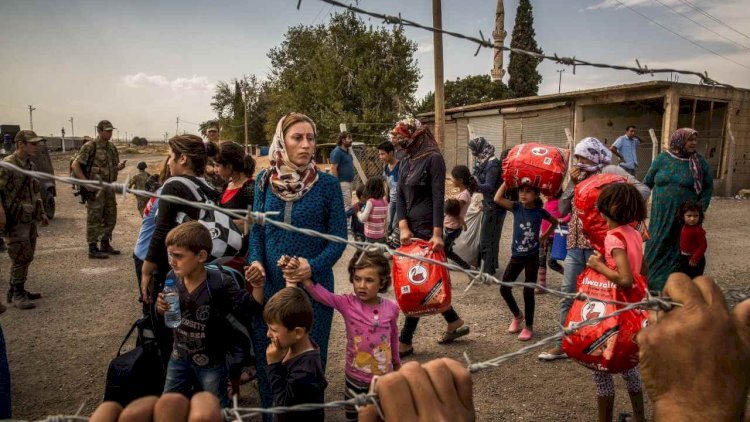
x=139, y=372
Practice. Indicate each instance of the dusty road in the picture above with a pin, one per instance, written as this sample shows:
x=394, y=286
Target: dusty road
x=59, y=351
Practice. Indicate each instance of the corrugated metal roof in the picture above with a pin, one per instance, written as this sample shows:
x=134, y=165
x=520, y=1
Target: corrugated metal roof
x=568, y=96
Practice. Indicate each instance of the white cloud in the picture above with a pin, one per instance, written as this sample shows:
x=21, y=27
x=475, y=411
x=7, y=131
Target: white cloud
x=425, y=48
x=194, y=83
x=141, y=79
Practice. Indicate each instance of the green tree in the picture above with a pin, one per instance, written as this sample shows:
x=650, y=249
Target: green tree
x=472, y=89
x=342, y=72
x=524, y=79
x=229, y=101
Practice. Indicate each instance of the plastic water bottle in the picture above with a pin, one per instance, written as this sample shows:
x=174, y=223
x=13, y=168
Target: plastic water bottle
x=173, y=317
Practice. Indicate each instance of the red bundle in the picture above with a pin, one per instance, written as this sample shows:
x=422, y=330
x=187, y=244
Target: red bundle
x=421, y=288
x=586, y=194
x=593, y=224
x=608, y=345
x=538, y=165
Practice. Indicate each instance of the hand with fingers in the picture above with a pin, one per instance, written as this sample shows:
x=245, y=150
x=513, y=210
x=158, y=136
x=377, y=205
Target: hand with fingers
x=169, y=407
x=439, y=390
x=695, y=359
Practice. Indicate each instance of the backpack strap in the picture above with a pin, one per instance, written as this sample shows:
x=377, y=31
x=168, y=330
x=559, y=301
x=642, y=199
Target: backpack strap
x=215, y=283
x=194, y=189
x=127, y=336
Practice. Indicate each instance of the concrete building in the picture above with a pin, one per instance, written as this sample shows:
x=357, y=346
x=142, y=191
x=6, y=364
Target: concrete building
x=721, y=115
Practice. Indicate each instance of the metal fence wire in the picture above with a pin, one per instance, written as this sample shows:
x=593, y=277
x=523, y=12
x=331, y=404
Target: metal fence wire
x=252, y=217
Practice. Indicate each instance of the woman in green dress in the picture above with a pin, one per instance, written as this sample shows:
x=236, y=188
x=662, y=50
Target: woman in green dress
x=677, y=175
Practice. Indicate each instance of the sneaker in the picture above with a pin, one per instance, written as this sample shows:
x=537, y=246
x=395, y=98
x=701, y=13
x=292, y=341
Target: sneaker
x=526, y=334
x=515, y=325
x=553, y=354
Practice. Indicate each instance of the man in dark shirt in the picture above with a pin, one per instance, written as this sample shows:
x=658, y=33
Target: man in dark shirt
x=343, y=166
x=294, y=368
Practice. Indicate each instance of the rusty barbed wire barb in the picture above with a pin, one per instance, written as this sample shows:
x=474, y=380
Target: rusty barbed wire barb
x=567, y=61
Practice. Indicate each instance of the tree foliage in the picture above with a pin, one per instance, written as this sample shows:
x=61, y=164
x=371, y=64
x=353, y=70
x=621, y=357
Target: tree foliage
x=342, y=72
x=472, y=89
x=524, y=79
x=229, y=101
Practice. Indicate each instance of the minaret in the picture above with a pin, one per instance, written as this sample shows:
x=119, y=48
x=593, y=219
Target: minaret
x=499, y=36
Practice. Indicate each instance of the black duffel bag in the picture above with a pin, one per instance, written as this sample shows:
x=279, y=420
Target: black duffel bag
x=139, y=372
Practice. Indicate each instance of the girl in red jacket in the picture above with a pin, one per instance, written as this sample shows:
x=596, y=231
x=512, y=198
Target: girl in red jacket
x=692, y=239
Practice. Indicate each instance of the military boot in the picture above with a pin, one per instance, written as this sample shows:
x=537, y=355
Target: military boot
x=20, y=300
x=95, y=253
x=107, y=248
x=31, y=296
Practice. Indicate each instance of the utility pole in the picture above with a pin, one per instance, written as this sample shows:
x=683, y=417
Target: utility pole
x=31, y=117
x=437, y=40
x=559, y=83
x=177, y=130
x=72, y=129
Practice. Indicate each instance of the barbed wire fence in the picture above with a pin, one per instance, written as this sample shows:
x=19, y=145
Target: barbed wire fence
x=482, y=42
x=266, y=218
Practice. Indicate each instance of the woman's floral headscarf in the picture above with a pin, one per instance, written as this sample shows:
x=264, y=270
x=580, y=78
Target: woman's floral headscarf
x=677, y=142
x=413, y=137
x=482, y=151
x=593, y=149
x=288, y=181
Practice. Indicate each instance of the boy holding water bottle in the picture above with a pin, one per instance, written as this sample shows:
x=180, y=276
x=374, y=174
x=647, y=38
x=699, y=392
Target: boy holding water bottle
x=202, y=334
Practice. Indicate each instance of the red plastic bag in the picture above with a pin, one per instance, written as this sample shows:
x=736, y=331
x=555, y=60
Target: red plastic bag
x=541, y=166
x=608, y=345
x=593, y=224
x=421, y=288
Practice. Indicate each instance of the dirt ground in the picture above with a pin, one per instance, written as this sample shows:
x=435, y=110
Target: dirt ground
x=59, y=351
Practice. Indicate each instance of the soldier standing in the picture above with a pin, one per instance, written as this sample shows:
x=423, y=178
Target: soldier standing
x=139, y=182
x=98, y=159
x=22, y=209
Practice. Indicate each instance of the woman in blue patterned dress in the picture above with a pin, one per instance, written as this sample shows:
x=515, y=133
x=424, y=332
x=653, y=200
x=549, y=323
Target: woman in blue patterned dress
x=677, y=175
x=304, y=197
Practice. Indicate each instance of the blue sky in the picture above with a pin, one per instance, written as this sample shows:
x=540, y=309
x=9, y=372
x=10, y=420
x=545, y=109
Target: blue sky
x=141, y=64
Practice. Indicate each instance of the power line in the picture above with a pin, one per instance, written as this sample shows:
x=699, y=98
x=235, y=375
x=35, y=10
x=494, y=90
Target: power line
x=681, y=36
x=700, y=24
x=566, y=61
x=715, y=19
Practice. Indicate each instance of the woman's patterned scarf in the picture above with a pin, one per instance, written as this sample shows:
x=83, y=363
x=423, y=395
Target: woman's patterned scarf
x=483, y=152
x=677, y=142
x=415, y=139
x=592, y=149
x=288, y=181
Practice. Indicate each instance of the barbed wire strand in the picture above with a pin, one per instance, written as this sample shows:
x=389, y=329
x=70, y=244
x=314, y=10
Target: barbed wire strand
x=649, y=303
x=487, y=43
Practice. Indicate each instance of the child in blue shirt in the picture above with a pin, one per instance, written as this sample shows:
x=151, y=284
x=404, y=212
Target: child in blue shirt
x=528, y=214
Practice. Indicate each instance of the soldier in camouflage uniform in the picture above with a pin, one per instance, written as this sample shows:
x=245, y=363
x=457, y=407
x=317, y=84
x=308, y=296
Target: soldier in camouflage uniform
x=139, y=182
x=100, y=159
x=22, y=208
